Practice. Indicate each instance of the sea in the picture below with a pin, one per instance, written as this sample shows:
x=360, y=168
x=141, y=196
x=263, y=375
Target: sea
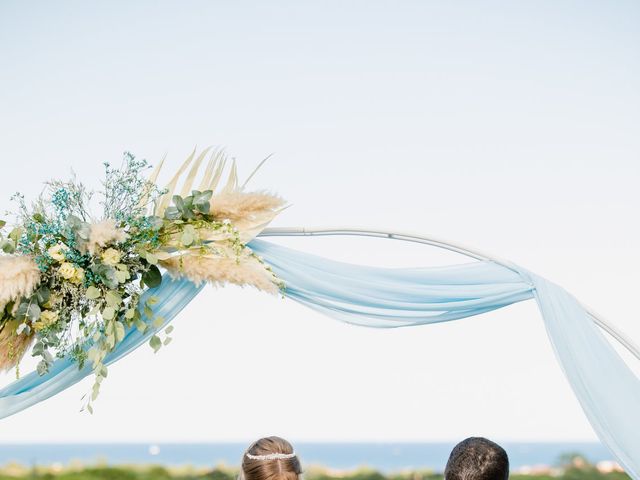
x=384, y=457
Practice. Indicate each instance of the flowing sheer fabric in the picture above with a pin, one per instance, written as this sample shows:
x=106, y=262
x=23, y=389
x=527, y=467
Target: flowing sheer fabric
x=173, y=296
x=607, y=389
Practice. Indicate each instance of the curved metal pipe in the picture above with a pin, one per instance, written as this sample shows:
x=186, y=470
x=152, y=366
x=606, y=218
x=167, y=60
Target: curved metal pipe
x=619, y=336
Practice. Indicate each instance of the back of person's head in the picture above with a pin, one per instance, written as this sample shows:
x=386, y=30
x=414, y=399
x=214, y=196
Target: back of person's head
x=477, y=458
x=270, y=458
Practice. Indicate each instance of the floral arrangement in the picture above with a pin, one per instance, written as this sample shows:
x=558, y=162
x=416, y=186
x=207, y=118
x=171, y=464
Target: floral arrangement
x=71, y=283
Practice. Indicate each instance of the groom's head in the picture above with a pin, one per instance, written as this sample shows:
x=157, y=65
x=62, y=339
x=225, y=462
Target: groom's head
x=477, y=458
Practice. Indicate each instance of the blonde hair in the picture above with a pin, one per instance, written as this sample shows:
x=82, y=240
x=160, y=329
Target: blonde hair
x=270, y=458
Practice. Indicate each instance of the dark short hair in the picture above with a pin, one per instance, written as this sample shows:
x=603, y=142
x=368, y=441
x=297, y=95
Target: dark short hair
x=477, y=458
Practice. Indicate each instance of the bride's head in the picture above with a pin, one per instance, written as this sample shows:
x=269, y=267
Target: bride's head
x=270, y=458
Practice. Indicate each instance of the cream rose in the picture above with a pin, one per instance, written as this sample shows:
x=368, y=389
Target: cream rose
x=78, y=277
x=47, y=318
x=67, y=271
x=111, y=256
x=57, y=252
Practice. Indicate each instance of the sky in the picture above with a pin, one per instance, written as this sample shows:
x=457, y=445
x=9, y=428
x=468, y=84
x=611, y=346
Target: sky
x=511, y=127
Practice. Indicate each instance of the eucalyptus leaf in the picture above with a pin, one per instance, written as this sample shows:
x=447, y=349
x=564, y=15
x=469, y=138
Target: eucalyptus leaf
x=42, y=368
x=93, y=292
x=187, y=238
x=199, y=197
x=81, y=229
x=8, y=247
x=201, y=200
x=96, y=391
x=172, y=213
x=152, y=277
x=122, y=276
x=92, y=353
x=15, y=234
x=113, y=299
x=203, y=207
x=106, y=274
x=108, y=313
x=47, y=357
x=141, y=326
x=158, y=321
x=43, y=294
x=187, y=203
x=37, y=350
x=178, y=201
x=28, y=311
x=155, y=343
x=34, y=312
x=119, y=331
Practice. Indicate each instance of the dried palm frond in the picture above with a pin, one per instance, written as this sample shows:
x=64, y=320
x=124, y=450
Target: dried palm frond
x=250, y=212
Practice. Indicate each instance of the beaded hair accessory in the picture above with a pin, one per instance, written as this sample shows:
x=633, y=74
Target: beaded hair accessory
x=271, y=456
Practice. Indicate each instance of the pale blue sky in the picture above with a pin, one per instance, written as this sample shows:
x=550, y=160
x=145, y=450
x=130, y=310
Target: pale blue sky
x=508, y=126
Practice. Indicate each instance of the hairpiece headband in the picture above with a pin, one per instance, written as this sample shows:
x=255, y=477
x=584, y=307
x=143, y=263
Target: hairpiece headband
x=272, y=456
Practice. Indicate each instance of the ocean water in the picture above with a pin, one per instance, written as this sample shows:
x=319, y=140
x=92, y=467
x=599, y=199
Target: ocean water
x=385, y=457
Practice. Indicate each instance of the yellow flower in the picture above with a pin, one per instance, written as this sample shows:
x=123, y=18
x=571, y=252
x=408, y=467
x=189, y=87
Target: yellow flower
x=67, y=271
x=47, y=318
x=57, y=252
x=78, y=277
x=111, y=256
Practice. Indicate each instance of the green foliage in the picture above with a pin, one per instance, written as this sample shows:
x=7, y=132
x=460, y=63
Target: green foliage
x=161, y=473
x=188, y=208
x=152, y=277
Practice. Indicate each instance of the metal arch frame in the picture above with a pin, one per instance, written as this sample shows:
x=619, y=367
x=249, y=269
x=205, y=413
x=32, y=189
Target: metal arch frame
x=618, y=335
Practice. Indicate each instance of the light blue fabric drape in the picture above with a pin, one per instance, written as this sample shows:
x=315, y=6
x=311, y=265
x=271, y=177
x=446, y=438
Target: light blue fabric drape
x=173, y=296
x=393, y=297
x=605, y=386
x=607, y=389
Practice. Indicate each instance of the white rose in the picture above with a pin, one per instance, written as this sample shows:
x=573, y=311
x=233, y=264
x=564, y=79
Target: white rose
x=47, y=318
x=111, y=256
x=57, y=252
x=67, y=271
x=78, y=276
